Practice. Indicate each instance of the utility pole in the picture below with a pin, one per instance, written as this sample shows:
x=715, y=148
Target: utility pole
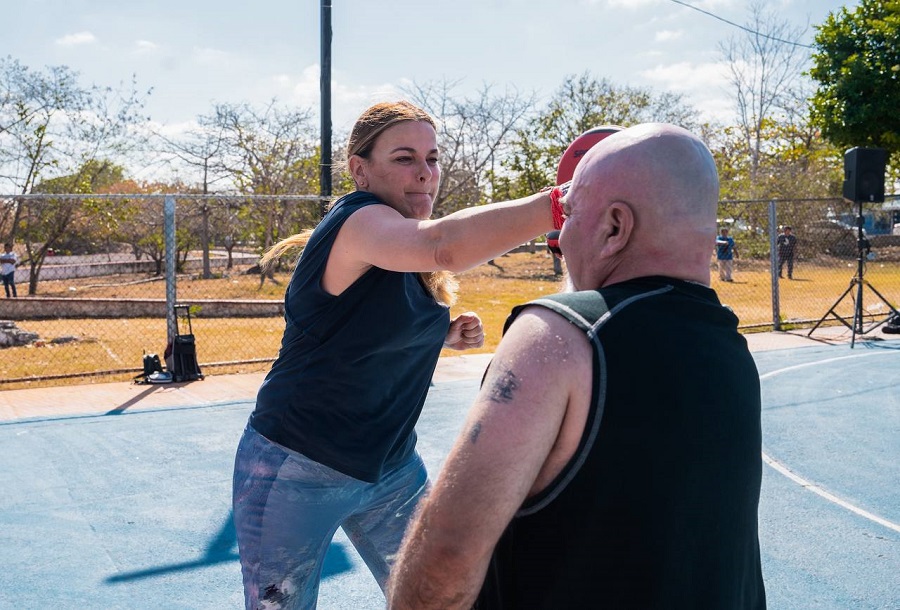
x=325, y=95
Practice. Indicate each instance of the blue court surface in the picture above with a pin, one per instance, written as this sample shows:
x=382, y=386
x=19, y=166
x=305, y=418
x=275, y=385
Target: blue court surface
x=131, y=509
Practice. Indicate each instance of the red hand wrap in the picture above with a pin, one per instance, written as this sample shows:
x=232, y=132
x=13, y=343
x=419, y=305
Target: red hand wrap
x=556, y=207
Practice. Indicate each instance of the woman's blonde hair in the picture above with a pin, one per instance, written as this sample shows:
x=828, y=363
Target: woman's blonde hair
x=371, y=124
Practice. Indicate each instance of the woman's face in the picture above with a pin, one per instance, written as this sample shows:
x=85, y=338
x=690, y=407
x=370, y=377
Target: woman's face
x=402, y=169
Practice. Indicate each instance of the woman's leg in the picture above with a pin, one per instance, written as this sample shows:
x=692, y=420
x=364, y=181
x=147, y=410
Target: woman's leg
x=286, y=510
x=390, y=504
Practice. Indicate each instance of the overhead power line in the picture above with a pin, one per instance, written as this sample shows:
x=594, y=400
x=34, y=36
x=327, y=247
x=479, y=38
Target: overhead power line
x=746, y=29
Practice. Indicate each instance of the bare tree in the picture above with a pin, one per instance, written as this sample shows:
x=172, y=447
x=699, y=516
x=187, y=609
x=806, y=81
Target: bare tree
x=765, y=64
x=271, y=151
x=54, y=131
x=801, y=163
x=200, y=150
x=33, y=109
x=475, y=134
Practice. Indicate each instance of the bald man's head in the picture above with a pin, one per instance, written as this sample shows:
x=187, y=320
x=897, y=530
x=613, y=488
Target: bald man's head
x=662, y=170
x=653, y=192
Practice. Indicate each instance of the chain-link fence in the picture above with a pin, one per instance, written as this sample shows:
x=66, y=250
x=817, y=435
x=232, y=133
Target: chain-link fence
x=99, y=277
x=781, y=283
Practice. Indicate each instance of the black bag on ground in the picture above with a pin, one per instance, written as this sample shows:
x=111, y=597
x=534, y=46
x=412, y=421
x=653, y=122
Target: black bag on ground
x=152, y=364
x=152, y=368
x=184, y=351
x=892, y=326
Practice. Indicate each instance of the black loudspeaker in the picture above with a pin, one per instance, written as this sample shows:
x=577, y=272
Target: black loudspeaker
x=864, y=174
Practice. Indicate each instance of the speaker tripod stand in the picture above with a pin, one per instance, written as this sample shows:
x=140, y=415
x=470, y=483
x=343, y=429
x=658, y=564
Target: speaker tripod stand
x=855, y=290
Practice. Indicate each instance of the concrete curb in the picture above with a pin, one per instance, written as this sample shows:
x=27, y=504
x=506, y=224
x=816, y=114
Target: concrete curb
x=218, y=389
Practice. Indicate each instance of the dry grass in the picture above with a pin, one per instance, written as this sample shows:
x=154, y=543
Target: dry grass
x=118, y=344
x=811, y=293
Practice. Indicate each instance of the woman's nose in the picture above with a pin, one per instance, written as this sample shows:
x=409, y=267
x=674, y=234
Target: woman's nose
x=424, y=172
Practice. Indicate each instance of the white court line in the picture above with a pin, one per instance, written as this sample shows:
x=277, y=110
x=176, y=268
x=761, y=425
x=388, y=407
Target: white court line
x=812, y=486
x=828, y=496
x=826, y=361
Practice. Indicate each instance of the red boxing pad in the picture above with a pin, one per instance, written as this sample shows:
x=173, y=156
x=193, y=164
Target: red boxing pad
x=579, y=146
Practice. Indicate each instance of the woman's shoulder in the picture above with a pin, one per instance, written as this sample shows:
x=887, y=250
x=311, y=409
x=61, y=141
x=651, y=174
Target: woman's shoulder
x=336, y=216
x=355, y=200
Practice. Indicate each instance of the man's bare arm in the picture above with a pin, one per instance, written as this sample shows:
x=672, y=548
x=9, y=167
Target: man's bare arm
x=495, y=464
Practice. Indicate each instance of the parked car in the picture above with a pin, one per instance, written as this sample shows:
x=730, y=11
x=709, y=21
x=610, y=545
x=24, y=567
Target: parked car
x=830, y=236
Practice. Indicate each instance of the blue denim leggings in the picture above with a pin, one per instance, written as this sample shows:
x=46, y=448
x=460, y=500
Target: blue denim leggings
x=288, y=507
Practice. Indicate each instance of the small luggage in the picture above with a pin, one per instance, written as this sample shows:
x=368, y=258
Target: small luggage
x=184, y=349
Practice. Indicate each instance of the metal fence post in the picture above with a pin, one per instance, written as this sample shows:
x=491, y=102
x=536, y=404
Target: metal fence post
x=171, y=250
x=773, y=266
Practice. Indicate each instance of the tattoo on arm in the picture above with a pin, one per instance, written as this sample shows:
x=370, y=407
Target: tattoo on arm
x=501, y=391
x=503, y=387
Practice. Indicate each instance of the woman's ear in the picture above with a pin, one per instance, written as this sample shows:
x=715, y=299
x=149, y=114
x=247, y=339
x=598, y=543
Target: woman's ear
x=358, y=171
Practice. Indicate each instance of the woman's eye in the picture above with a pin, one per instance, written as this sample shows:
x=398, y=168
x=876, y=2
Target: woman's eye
x=433, y=161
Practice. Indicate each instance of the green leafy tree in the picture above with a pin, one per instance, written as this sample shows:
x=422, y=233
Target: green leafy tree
x=141, y=221
x=796, y=164
x=47, y=223
x=857, y=67
x=581, y=103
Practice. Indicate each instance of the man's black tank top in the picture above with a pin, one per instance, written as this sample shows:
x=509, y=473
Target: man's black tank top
x=658, y=506
x=354, y=369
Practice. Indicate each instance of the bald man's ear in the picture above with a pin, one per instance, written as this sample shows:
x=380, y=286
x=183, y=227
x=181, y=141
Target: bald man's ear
x=619, y=227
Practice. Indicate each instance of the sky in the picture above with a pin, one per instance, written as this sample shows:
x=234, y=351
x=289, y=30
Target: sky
x=196, y=53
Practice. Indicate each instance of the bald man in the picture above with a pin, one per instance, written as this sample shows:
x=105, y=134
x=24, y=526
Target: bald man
x=612, y=457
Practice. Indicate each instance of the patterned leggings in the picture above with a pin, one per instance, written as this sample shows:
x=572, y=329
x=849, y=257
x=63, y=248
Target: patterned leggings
x=288, y=507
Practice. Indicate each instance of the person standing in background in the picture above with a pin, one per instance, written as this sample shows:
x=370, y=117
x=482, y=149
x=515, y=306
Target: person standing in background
x=787, y=246
x=8, y=262
x=725, y=252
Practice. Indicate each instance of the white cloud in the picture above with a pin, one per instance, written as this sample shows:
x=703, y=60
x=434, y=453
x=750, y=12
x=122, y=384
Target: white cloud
x=631, y=4
x=79, y=38
x=282, y=80
x=709, y=5
x=716, y=108
x=206, y=55
x=668, y=35
x=704, y=85
x=173, y=130
x=683, y=76
x=304, y=91
x=347, y=102
x=145, y=46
